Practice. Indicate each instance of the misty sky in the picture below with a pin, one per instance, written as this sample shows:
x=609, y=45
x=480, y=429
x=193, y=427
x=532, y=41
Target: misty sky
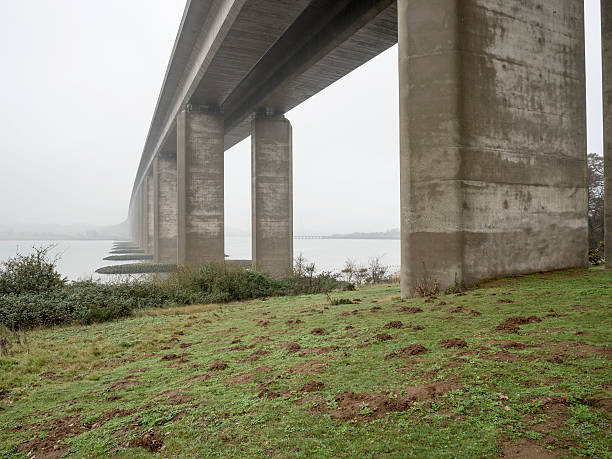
x=78, y=86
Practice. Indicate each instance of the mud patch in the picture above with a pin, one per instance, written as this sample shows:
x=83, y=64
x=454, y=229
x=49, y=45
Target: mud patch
x=318, y=331
x=512, y=324
x=219, y=365
x=394, y=324
x=151, y=441
x=52, y=446
x=125, y=383
x=453, y=343
x=175, y=396
x=384, y=337
x=168, y=357
x=367, y=406
x=312, y=386
x=413, y=349
x=410, y=309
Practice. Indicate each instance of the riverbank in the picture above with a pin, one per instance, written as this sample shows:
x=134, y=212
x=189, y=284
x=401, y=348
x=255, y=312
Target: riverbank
x=517, y=367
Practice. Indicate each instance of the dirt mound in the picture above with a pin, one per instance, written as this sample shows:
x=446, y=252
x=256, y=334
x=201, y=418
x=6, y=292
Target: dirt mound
x=219, y=365
x=312, y=386
x=413, y=349
x=505, y=301
x=167, y=357
x=453, y=342
x=52, y=446
x=375, y=309
x=294, y=322
x=410, y=309
x=394, y=324
x=125, y=383
x=151, y=441
x=384, y=337
x=318, y=331
x=367, y=406
x=263, y=323
x=292, y=347
x=512, y=324
x=255, y=356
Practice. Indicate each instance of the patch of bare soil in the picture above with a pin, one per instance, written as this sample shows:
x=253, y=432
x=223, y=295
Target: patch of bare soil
x=125, y=383
x=200, y=378
x=151, y=441
x=413, y=349
x=291, y=347
x=394, y=324
x=383, y=337
x=254, y=356
x=567, y=351
x=410, y=309
x=168, y=357
x=350, y=313
x=219, y=365
x=505, y=301
x=116, y=413
x=240, y=347
x=508, y=344
x=318, y=331
x=52, y=446
x=551, y=419
x=512, y=324
x=375, y=309
x=367, y=406
x=312, y=386
x=453, y=342
x=294, y=322
x=311, y=367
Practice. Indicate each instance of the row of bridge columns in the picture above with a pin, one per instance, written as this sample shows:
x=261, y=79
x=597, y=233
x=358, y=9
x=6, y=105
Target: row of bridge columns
x=492, y=152
x=180, y=205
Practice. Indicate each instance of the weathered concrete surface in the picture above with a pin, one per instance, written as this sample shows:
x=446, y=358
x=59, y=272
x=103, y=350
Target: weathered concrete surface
x=272, y=195
x=493, y=138
x=166, y=205
x=149, y=214
x=200, y=187
x=606, y=29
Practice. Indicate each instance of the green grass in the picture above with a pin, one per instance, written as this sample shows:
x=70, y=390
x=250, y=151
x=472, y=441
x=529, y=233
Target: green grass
x=97, y=390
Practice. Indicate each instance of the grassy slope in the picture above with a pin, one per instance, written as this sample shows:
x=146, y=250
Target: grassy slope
x=69, y=384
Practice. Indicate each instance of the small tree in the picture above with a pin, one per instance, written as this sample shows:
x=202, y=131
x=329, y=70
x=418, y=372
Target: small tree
x=595, y=179
x=349, y=270
x=376, y=270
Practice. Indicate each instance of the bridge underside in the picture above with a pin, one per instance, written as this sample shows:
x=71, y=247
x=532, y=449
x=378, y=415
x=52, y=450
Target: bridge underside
x=492, y=128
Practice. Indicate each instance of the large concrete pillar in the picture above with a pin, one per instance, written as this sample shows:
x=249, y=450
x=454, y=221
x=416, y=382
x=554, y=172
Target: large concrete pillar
x=165, y=206
x=141, y=217
x=272, y=194
x=492, y=139
x=606, y=29
x=200, y=187
x=149, y=213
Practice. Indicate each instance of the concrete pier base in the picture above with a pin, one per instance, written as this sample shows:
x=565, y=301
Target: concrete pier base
x=165, y=205
x=272, y=195
x=606, y=43
x=492, y=139
x=200, y=187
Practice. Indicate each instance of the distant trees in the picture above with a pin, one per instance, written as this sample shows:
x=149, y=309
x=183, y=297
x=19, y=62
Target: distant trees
x=595, y=180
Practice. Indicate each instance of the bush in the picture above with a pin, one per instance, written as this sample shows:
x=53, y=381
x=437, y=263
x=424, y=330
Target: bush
x=30, y=273
x=596, y=255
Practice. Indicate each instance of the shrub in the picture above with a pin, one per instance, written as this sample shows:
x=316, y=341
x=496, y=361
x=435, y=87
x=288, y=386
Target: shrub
x=596, y=255
x=30, y=273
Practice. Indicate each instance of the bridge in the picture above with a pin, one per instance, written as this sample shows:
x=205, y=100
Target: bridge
x=492, y=128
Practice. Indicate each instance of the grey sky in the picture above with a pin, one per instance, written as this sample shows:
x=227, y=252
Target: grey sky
x=79, y=83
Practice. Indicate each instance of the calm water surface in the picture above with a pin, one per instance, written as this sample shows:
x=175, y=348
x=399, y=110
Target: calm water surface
x=80, y=259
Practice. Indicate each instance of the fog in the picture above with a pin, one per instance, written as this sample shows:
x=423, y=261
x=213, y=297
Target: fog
x=79, y=84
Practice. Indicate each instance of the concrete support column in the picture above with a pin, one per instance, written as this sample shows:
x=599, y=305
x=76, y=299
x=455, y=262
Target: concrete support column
x=150, y=214
x=606, y=29
x=272, y=195
x=200, y=187
x=141, y=217
x=165, y=206
x=492, y=139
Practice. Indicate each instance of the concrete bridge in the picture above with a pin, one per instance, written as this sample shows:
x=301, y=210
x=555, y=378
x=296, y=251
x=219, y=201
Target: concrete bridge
x=492, y=128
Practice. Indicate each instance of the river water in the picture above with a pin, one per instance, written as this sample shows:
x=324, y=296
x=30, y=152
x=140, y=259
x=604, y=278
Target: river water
x=80, y=259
